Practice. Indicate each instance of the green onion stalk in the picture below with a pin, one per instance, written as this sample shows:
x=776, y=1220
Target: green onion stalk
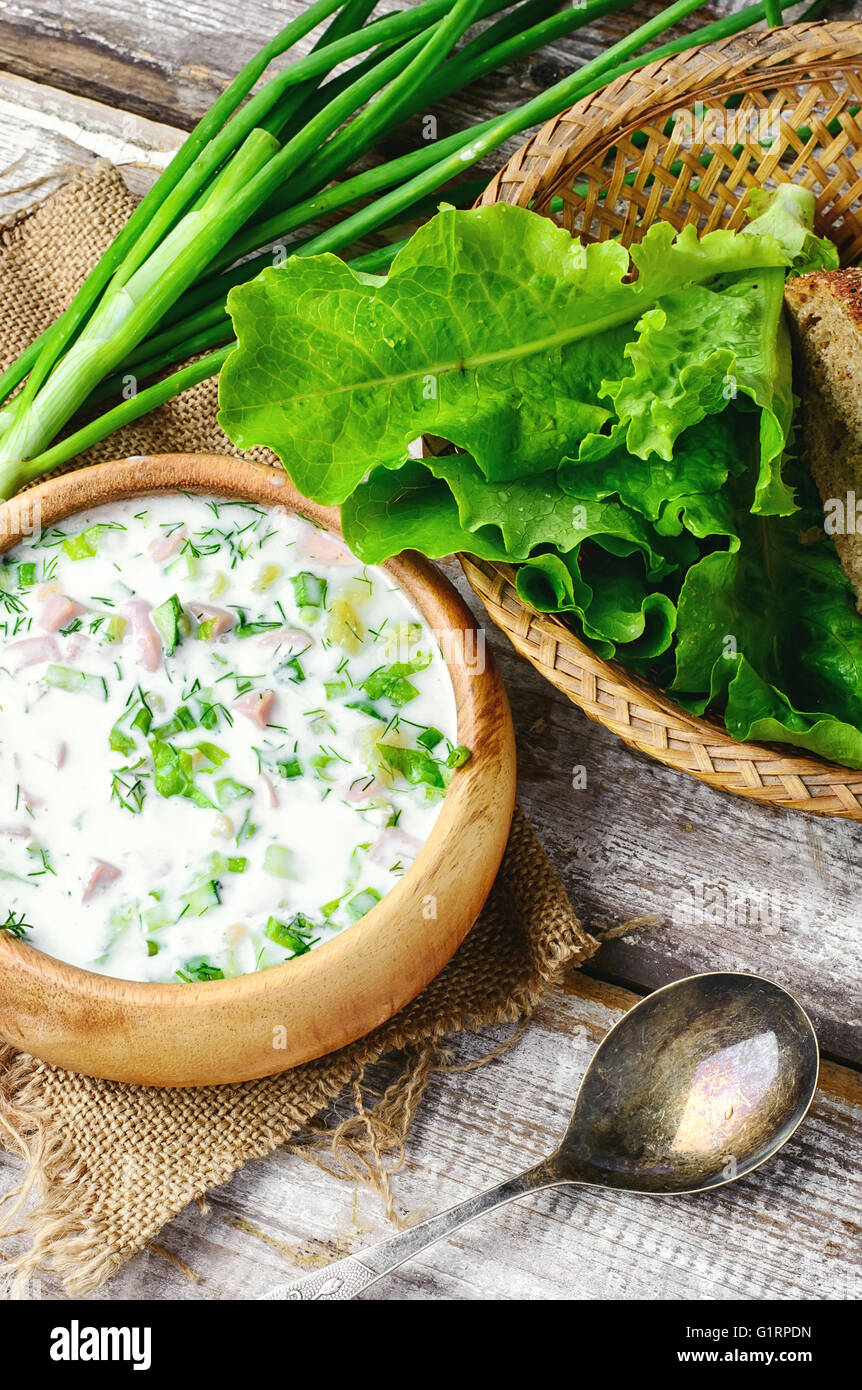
x=261, y=165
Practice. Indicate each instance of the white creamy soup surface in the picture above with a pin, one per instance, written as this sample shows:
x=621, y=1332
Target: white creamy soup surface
x=222, y=738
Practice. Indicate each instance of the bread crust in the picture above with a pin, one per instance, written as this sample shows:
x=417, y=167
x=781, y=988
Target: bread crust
x=825, y=312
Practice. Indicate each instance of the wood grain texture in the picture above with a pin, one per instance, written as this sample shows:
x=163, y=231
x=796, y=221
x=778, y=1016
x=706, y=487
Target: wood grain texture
x=790, y=1230
x=46, y=133
x=168, y=61
x=636, y=840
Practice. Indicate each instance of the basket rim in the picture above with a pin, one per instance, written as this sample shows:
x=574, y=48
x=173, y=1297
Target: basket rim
x=807, y=53
x=756, y=50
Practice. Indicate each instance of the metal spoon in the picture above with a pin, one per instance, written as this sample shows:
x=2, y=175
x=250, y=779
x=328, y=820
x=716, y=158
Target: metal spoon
x=695, y=1086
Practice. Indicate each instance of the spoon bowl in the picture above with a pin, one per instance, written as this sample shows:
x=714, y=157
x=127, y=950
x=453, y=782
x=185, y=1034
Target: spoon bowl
x=695, y=1086
x=698, y=1084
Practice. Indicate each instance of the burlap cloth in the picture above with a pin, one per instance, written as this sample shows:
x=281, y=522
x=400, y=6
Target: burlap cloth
x=106, y=1165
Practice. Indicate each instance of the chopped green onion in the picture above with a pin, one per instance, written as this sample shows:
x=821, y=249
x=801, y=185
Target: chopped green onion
x=247, y=830
x=294, y=665
x=294, y=935
x=309, y=590
x=429, y=738
x=366, y=707
x=173, y=774
x=415, y=765
x=458, y=756
x=199, y=971
x=212, y=753
x=229, y=790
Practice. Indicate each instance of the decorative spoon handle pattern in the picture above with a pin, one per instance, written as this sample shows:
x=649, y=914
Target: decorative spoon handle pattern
x=348, y=1277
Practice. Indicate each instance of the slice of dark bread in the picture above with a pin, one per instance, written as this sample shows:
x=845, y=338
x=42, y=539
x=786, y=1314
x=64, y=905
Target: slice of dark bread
x=825, y=311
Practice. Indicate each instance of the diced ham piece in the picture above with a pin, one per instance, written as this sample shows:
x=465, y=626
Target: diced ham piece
x=59, y=610
x=80, y=647
x=220, y=618
x=322, y=545
x=148, y=646
x=55, y=754
x=168, y=546
x=393, y=846
x=295, y=641
x=364, y=790
x=31, y=652
x=19, y=832
x=256, y=706
x=271, y=793
x=103, y=874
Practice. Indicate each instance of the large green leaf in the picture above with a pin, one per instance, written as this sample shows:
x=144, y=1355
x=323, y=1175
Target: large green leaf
x=620, y=436
x=493, y=329
x=703, y=457
x=770, y=633
x=445, y=504
x=698, y=349
x=407, y=508
x=617, y=610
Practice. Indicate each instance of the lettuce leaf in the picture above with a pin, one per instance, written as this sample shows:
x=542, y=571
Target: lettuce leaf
x=616, y=610
x=620, y=427
x=493, y=330
x=697, y=350
x=769, y=632
x=444, y=504
x=703, y=458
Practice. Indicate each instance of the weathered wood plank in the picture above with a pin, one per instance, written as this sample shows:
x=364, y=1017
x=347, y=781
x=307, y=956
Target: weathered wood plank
x=45, y=133
x=168, y=61
x=790, y=1230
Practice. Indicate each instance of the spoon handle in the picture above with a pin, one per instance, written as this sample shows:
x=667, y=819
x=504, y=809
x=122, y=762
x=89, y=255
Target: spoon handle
x=346, y=1278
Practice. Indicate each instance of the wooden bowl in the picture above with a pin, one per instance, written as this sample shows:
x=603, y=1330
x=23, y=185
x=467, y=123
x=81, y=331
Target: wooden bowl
x=779, y=105
x=226, y=1030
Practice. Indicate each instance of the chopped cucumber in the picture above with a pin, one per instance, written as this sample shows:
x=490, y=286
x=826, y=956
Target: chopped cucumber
x=361, y=903
x=276, y=861
x=168, y=620
x=76, y=682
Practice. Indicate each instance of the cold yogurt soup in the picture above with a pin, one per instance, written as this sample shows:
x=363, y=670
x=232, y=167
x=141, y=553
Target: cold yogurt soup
x=222, y=738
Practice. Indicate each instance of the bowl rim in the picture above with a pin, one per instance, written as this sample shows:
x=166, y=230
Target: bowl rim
x=430, y=591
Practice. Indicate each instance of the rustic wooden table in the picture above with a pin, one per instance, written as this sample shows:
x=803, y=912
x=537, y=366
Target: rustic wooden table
x=725, y=883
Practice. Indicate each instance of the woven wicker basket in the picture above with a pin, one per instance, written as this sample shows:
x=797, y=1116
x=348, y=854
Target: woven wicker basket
x=617, y=167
